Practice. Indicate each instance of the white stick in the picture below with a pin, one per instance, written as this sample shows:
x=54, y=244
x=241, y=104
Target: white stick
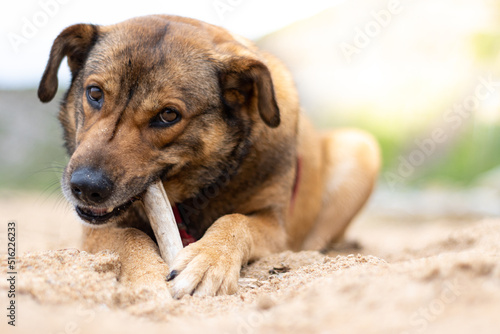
x=162, y=220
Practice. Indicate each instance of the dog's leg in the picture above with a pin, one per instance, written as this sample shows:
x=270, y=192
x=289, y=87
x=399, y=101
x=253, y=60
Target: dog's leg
x=211, y=266
x=141, y=264
x=351, y=160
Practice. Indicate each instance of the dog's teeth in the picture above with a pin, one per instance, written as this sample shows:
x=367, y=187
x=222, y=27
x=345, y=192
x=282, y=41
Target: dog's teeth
x=108, y=210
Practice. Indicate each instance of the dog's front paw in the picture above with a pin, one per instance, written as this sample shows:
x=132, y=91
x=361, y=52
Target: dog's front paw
x=208, y=267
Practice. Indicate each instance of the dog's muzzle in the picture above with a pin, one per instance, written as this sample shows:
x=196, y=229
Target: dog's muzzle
x=92, y=188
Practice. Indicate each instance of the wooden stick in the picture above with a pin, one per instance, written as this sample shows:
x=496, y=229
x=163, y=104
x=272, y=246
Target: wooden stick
x=162, y=220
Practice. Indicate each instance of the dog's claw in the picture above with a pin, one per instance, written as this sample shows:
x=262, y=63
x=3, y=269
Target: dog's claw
x=173, y=274
x=202, y=269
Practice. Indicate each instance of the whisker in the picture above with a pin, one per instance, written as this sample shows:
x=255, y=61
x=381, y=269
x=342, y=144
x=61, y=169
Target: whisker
x=53, y=186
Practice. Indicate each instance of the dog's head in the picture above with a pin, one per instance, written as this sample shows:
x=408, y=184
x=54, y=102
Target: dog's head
x=154, y=97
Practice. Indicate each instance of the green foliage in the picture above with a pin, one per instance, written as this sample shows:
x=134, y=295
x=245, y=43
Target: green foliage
x=477, y=151
x=30, y=142
x=456, y=162
x=486, y=46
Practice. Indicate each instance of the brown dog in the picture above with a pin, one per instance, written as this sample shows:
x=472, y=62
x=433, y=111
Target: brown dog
x=219, y=122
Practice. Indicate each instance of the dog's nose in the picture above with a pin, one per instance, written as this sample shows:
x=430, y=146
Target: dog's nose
x=91, y=185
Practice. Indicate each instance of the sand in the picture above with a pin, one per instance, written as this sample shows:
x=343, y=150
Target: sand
x=392, y=275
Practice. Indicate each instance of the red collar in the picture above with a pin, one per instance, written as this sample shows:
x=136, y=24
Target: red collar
x=185, y=236
x=296, y=183
x=188, y=238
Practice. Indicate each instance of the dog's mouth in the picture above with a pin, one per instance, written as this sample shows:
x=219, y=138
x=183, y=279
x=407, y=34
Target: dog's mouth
x=99, y=216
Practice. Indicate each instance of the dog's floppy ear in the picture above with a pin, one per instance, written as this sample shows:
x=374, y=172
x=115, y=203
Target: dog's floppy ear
x=74, y=42
x=245, y=79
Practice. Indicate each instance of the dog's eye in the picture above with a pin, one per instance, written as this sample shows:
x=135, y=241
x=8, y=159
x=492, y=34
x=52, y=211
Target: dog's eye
x=166, y=117
x=95, y=96
x=169, y=115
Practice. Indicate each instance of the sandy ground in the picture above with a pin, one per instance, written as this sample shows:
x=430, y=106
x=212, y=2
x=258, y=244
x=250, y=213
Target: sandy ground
x=399, y=273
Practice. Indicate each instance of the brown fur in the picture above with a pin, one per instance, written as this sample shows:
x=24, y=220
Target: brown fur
x=230, y=162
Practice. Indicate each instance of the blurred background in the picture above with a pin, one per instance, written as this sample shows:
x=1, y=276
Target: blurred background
x=422, y=75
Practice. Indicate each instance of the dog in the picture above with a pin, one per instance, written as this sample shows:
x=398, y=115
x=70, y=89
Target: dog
x=220, y=123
